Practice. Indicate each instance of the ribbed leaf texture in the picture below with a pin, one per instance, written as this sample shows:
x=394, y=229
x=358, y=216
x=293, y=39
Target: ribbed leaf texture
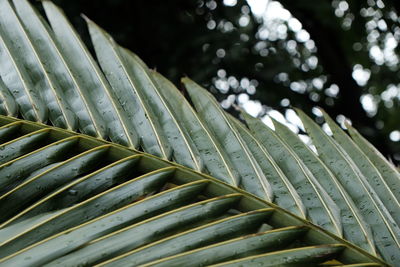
x=72, y=200
x=68, y=199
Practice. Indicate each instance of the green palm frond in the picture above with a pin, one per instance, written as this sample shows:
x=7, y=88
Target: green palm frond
x=320, y=207
x=70, y=199
x=355, y=229
x=375, y=213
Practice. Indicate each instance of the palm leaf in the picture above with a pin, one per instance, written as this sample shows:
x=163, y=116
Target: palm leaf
x=385, y=230
x=214, y=156
x=285, y=194
x=350, y=215
x=386, y=169
x=86, y=69
x=120, y=205
x=223, y=229
x=237, y=247
x=320, y=207
x=370, y=172
x=120, y=76
x=8, y=106
x=310, y=256
x=15, y=77
x=183, y=149
x=51, y=55
x=73, y=196
x=59, y=111
x=252, y=178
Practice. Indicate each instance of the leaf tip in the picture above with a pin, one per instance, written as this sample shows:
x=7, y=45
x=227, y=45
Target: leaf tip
x=297, y=110
x=246, y=116
x=186, y=80
x=86, y=18
x=275, y=122
x=348, y=125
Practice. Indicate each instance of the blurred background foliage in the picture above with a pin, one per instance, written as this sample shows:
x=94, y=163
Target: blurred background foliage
x=266, y=56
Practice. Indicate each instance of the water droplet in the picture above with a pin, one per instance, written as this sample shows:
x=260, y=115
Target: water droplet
x=72, y=192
